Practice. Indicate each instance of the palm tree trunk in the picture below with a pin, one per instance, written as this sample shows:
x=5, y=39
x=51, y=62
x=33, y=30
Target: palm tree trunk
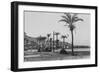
x=72, y=42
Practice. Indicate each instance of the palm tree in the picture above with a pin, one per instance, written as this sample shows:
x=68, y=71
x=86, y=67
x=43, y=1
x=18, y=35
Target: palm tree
x=57, y=33
x=63, y=37
x=50, y=44
x=63, y=51
x=70, y=20
x=48, y=35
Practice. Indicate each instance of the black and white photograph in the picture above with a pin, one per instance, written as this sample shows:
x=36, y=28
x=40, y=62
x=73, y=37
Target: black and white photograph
x=53, y=36
x=56, y=36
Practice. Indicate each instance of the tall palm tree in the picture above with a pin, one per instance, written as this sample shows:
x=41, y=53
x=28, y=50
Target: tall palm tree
x=70, y=20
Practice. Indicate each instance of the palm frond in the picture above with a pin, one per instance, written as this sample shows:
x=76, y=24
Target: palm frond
x=74, y=15
x=48, y=35
x=68, y=15
x=57, y=33
x=63, y=36
x=78, y=19
x=75, y=18
x=64, y=20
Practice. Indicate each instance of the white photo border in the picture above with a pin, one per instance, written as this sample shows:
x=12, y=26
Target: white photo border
x=22, y=64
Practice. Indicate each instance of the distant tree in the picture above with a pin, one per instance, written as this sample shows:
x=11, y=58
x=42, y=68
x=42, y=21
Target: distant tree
x=57, y=33
x=40, y=42
x=63, y=51
x=48, y=35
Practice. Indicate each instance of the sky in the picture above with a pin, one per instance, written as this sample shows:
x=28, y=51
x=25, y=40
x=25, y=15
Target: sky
x=41, y=23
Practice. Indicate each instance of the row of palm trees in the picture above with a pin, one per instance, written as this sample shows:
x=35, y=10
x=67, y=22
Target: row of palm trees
x=53, y=40
x=43, y=43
